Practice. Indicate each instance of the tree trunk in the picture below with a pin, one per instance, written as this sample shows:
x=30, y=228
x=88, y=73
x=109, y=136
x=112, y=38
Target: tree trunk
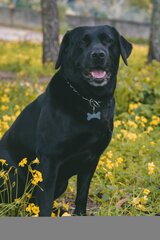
x=154, y=46
x=50, y=30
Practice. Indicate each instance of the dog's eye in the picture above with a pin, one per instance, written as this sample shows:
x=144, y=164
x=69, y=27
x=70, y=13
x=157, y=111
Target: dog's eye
x=85, y=41
x=105, y=39
x=110, y=41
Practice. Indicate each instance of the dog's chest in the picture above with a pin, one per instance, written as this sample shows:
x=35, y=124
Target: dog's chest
x=68, y=133
x=83, y=147
x=91, y=137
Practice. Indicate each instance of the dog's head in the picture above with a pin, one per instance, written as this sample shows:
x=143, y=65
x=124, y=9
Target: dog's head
x=89, y=57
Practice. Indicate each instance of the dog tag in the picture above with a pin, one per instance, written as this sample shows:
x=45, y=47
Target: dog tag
x=93, y=115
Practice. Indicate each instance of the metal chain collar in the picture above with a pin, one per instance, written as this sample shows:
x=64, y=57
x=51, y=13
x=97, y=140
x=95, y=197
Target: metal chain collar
x=92, y=102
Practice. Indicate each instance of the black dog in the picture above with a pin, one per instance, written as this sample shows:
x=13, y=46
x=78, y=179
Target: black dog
x=69, y=126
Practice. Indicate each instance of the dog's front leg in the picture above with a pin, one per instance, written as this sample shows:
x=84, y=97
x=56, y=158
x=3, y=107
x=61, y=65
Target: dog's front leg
x=44, y=197
x=83, y=183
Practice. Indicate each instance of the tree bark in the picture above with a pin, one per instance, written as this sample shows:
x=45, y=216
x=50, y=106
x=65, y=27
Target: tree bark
x=50, y=30
x=154, y=45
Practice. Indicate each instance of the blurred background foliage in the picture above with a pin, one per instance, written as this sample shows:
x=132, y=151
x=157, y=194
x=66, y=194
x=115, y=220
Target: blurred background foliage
x=102, y=8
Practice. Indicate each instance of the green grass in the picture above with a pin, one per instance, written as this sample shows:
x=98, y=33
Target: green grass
x=130, y=165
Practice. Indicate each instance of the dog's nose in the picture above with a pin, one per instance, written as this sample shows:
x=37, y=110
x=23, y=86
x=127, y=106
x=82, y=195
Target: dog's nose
x=98, y=54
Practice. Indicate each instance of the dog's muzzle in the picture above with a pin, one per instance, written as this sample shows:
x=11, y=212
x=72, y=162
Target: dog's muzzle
x=97, y=74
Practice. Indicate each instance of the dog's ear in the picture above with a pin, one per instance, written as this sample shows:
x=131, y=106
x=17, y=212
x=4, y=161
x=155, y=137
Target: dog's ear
x=125, y=48
x=64, y=44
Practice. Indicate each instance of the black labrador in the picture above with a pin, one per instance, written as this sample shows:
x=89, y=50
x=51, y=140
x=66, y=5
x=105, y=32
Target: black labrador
x=69, y=126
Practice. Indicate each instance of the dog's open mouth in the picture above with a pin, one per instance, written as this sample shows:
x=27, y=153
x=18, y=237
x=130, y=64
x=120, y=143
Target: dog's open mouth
x=97, y=77
x=98, y=74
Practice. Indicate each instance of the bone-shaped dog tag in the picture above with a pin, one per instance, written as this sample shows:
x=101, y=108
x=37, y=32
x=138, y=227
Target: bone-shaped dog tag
x=93, y=115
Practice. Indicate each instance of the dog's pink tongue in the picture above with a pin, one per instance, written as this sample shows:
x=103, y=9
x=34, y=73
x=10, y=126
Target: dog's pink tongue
x=98, y=73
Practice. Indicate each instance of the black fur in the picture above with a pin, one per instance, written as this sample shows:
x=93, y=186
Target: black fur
x=55, y=128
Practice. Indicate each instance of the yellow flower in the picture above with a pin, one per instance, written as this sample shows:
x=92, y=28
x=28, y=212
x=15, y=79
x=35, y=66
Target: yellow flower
x=151, y=168
x=152, y=143
x=109, y=175
x=109, y=164
x=132, y=124
x=133, y=106
x=35, y=181
x=109, y=154
x=136, y=201
x=149, y=129
x=17, y=107
x=4, y=125
x=55, y=204
x=36, y=161
x=17, y=113
x=3, y=174
x=53, y=214
x=5, y=99
x=28, y=195
x=119, y=161
x=23, y=162
x=65, y=206
x=66, y=214
x=33, y=209
x=124, y=132
x=146, y=191
x=143, y=119
x=37, y=177
x=3, y=161
x=144, y=199
x=118, y=135
x=29, y=207
x=155, y=121
x=102, y=158
x=6, y=90
x=131, y=112
x=3, y=107
x=141, y=207
x=137, y=118
x=117, y=123
x=131, y=136
x=6, y=118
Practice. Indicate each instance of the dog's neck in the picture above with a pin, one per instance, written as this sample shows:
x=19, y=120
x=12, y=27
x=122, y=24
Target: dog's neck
x=90, y=93
x=75, y=95
x=95, y=105
x=92, y=102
